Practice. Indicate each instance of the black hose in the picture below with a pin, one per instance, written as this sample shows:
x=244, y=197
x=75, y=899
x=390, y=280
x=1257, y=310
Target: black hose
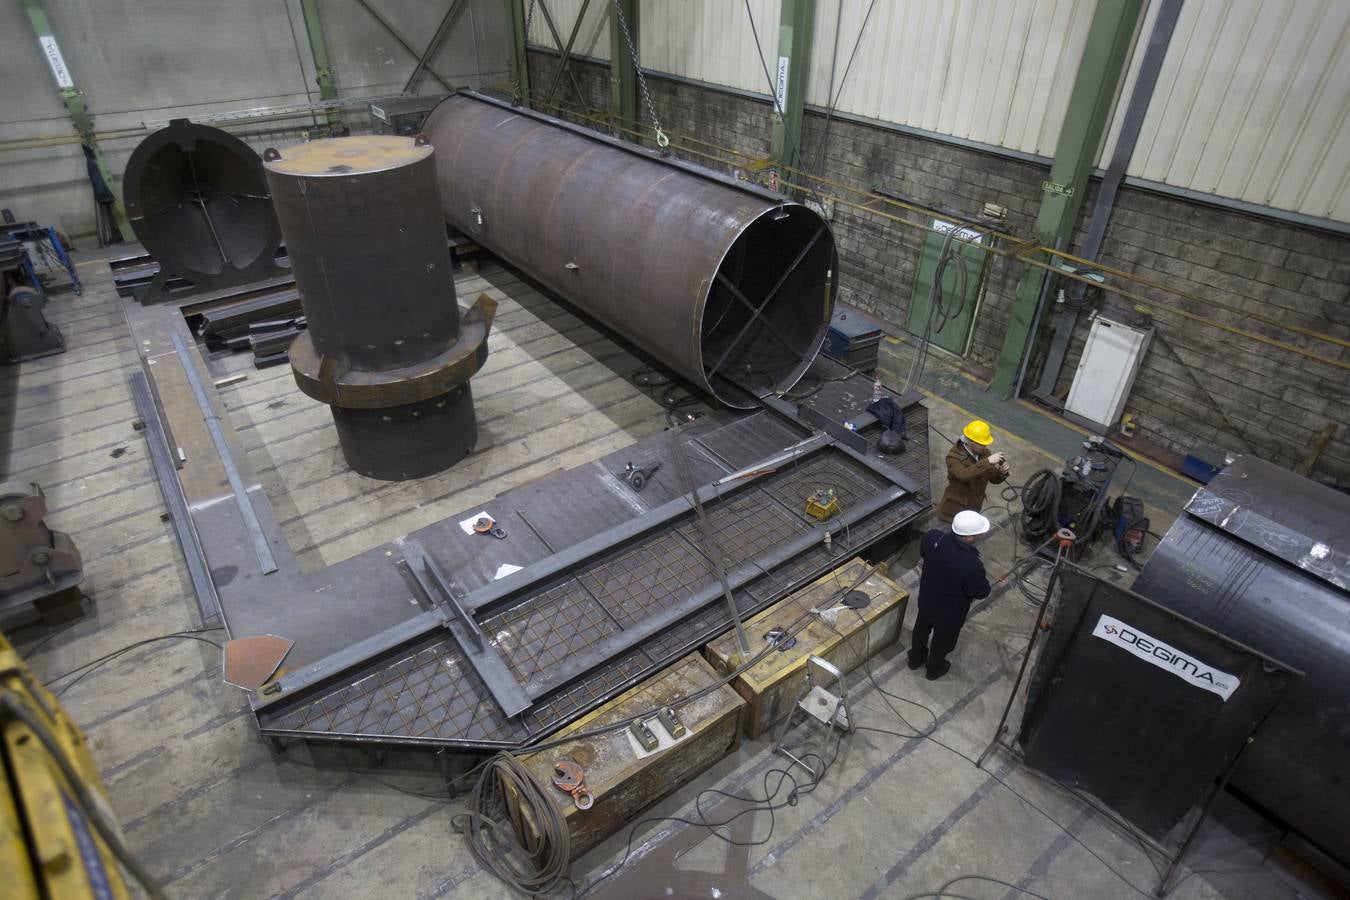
x=89, y=804
x=1040, y=506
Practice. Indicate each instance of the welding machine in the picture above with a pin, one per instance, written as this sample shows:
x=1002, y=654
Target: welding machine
x=1073, y=498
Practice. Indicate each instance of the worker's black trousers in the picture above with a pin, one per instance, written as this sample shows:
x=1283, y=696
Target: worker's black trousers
x=935, y=653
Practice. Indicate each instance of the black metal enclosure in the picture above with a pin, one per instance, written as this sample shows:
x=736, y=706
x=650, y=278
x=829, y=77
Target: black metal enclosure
x=385, y=347
x=730, y=285
x=1141, y=707
x=1260, y=555
x=198, y=201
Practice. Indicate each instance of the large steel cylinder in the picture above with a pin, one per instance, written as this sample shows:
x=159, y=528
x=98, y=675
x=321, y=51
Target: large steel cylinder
x=728, y=284
x=1263, y=556
x=386, y=347
x=197, y=200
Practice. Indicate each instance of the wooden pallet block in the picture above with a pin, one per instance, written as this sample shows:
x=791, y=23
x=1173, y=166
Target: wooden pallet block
x=623, y=784
x=773, y=684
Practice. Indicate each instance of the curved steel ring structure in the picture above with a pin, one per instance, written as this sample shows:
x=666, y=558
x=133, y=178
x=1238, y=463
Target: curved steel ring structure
x=730, y=285
x=198, y=201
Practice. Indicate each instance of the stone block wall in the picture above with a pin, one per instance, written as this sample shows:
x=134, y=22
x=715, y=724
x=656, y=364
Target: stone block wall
x=1198, y=384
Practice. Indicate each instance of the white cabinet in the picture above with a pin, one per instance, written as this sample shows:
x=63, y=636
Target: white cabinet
x=1106, y=371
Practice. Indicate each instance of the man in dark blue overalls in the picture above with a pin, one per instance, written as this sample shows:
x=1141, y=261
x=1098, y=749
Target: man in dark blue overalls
x=953, y=577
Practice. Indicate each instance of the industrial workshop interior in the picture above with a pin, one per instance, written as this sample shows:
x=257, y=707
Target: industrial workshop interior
x=675, y=448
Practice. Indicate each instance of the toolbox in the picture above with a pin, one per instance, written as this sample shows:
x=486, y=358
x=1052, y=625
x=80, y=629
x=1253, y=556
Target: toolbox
x=853, y=338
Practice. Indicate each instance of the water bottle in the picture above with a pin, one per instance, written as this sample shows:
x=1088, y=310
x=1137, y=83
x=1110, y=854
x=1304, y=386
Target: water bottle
x=877, y=392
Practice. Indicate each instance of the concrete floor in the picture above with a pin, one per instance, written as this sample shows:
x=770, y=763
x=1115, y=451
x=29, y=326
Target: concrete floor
x=214, y=813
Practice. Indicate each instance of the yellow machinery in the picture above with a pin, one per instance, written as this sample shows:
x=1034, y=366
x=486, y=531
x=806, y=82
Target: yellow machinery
x=822, y=504
x=58, y=837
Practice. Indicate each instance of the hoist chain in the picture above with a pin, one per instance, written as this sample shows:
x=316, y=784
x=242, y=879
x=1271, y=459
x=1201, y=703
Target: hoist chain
x=516, y=91
x=661, y=140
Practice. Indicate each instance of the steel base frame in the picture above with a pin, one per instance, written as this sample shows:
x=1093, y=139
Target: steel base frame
x=416, y=642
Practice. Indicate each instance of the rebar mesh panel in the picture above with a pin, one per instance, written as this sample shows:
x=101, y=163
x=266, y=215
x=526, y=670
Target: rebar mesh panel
x=647, y=578
x=742, y=528
x=851, y=482
x=545, y=629
x=589, y=691
x=424, y=693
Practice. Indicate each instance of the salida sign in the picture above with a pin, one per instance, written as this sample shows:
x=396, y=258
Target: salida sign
x=1165, y=656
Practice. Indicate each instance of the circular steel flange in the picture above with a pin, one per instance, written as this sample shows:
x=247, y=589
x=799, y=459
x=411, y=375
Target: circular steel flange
x=320, y=377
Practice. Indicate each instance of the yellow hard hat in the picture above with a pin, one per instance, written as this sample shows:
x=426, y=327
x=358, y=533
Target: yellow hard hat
x=977, y=430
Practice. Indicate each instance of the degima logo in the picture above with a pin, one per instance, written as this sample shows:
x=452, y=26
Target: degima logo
x=1165, y=656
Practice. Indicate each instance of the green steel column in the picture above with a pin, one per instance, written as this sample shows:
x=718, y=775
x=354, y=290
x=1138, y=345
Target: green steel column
x=318, y=47
x=622, y=66
x=1100, y=73
x=519, y=60
x=789, y=71
x=73, y=98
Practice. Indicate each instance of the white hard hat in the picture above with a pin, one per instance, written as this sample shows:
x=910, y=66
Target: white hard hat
x=968, y=523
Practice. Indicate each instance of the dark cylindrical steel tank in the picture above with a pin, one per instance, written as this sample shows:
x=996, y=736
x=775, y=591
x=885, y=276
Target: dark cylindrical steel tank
x=674, y=257
x=386, y=347
x=1263, y=556
x=197, y=199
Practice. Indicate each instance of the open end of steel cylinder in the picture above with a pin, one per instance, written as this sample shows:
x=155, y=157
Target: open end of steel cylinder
x=769, y=305
x=198, y=201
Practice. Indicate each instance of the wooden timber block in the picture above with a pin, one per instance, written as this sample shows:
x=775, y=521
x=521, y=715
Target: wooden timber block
x=621, y=783
x=772, y=685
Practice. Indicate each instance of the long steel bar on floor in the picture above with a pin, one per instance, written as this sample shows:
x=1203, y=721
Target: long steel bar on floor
x=266, y=561
x=161, y=458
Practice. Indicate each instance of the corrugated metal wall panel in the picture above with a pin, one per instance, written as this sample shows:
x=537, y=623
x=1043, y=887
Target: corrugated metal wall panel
x=1253, y=103
x=592, y=40
x=711, y=40
x=998, y=73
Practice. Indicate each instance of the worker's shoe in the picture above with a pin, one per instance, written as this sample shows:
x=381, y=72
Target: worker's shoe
x=942, y=669
x=916, y=661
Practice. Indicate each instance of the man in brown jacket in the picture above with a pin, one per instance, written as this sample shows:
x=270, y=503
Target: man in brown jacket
x=971, y=467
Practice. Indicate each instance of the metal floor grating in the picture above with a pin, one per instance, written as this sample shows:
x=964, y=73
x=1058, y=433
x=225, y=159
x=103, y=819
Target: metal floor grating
x=425, y=693
x=587, y=692
x=851, y=482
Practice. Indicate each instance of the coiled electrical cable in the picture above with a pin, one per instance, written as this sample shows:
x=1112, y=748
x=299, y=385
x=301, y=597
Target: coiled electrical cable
x=532, y=857
x=1040, y=505
x=938, y=302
